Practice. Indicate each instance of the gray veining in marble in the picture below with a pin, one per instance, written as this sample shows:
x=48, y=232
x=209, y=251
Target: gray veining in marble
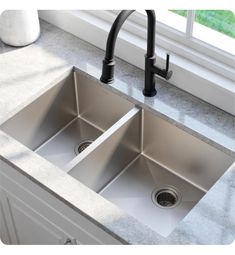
x=27, y=72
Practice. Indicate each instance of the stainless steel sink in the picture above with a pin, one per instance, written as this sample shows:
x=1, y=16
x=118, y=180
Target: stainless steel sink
x=151, y=169
x=63, y=121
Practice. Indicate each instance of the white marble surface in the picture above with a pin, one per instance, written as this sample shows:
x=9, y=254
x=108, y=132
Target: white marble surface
x=27, y=72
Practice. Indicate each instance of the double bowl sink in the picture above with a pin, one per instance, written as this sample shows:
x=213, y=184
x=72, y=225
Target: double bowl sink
x=151, y=169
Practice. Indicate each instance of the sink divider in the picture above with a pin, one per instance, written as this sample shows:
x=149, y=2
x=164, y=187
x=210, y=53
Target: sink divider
x=109, y=154
x=107, y=134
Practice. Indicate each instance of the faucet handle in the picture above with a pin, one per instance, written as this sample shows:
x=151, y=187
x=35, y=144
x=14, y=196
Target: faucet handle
x=167, y=72
x=167, y=61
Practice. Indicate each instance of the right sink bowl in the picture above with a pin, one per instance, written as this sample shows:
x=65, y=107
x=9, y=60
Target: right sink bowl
x=151, y=169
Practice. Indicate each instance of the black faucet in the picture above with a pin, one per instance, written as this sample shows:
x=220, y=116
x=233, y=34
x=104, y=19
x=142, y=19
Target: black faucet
x=150, y=68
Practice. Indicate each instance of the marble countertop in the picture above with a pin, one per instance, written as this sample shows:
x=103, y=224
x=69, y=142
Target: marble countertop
x=29, y=71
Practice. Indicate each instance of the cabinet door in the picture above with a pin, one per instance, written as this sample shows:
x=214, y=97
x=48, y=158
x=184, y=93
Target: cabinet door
x=7, y=230
x=34, y=216
x=4, y=232
x=32, y=228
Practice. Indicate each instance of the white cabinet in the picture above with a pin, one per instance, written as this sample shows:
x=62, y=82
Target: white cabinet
x=4, y=233
x=28, y=226
x=31, y=215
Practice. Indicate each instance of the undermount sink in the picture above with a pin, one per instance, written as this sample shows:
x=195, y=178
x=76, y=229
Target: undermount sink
x=67, y=118
x=151, y=169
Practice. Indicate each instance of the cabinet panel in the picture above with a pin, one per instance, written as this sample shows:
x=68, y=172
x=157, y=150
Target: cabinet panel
x=31, y=228
x=40, y=218
x=7, y=227
x=4, y=233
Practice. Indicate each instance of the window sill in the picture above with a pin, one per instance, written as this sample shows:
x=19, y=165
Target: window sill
x=189, y=76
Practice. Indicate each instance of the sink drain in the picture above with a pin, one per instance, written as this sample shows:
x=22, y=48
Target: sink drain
x=82, y=146
x=166, y=197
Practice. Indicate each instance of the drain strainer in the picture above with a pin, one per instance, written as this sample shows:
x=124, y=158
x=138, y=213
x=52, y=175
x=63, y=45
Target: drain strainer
x=82, y=146
x=166, y=197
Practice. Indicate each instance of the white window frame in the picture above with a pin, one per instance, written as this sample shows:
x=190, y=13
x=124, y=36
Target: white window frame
x=199, y=68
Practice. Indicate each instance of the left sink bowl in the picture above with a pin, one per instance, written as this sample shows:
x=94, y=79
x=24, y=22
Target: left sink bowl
x=67, y=118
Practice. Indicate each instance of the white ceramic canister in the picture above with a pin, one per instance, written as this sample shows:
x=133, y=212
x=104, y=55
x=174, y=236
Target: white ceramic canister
x=19, y=27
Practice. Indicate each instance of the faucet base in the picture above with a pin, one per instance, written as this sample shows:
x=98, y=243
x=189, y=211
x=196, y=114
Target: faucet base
x=149, y=93
x=106, y=81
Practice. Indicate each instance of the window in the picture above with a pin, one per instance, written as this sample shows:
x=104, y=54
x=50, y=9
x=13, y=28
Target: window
x=170, y=18
x=220, y=20
x=189, y=34
x=215, y=27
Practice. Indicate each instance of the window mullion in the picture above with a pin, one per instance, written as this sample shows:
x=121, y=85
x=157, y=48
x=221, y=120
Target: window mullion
x=190, y=23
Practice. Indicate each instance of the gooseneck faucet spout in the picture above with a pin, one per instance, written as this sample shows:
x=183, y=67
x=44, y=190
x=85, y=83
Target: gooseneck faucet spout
x=150, y=68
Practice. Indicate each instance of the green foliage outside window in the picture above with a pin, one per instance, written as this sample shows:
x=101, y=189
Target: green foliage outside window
x=219, y=20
